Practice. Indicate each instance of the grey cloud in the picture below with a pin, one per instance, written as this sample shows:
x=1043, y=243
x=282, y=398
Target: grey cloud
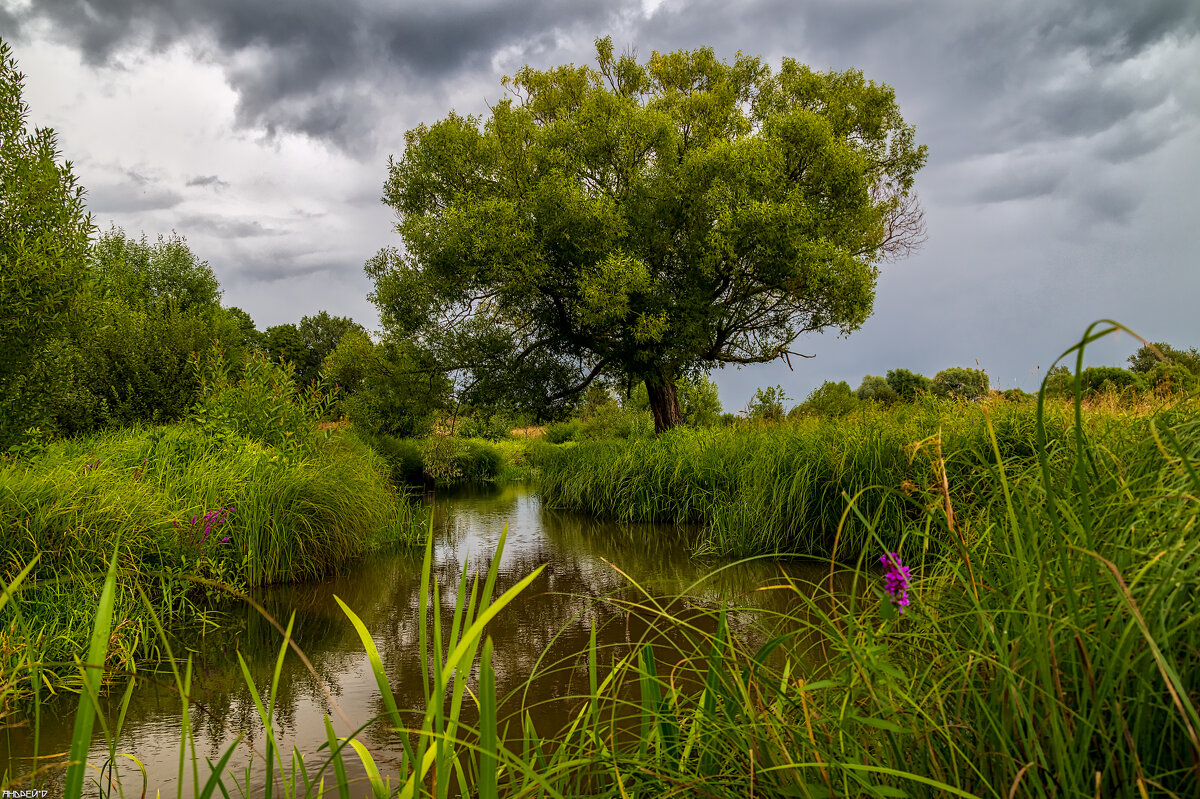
x=1021, y=185
x=225, y=227
x=126, y=197
x=1110, y=204
x=319, y=67
x=274, y=269
x=207, y=180
x=1128, y=142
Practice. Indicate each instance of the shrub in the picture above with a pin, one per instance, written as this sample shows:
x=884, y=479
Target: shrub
x=876, y=388
x=908, y=385
x=767, y=404
x=612, y=421
x=1098, y=379
x=478, y=461
x=830, y=401
x=403, y=456
x=1170, y=378
x=257, y=399
x=480, y=424
x=560, y=432
x=961, y=383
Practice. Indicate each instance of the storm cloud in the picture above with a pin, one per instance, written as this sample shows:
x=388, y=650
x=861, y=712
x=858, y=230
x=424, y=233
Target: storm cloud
x=1062, y=145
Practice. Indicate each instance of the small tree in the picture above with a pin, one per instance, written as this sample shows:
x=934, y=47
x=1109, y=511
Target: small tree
x=44, y=232
x=1146, y=359
x=830, y=400
x=908, y=385
x=767, y=404
x=961, y=383
x=877, y=389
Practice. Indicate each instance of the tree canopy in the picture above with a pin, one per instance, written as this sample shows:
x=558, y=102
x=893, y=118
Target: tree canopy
x=646, y=221
x=44, y=231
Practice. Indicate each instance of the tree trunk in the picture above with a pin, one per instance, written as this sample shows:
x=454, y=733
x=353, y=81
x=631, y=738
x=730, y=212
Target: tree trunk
x=664, y=402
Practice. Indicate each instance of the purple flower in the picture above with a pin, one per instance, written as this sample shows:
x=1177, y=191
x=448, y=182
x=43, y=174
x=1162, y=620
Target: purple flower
x=896, y=579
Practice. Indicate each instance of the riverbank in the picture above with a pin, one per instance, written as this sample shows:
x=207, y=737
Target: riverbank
x=186, y=508
x=786, y=488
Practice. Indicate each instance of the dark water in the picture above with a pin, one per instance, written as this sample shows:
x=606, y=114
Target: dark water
x=542, y=634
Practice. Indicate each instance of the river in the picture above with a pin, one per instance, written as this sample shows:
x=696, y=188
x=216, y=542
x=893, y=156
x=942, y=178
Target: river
x=591, y=566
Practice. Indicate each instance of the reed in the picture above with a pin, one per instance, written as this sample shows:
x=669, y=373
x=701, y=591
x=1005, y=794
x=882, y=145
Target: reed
x=188, y=507
x=785, y=488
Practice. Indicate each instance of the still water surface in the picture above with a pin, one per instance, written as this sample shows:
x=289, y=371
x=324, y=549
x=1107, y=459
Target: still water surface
x=542, y=633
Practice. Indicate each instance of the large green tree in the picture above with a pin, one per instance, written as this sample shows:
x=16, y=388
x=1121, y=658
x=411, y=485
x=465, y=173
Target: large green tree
x=647, y=221
x=44, y=231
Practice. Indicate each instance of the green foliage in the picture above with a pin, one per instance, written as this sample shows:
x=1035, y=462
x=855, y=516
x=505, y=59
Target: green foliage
x=1110, y=378
x=391, y=388
x=645, y=221
x=165, y=274
x=767, y=404
x=406, y=463
x=830, y=400
x=1145, y=360
x=613, y=421
x=308, y=345
x=44, y=233
x=1102, y=379
x=481, y=424
x=1170, y=378
x=877, y=389
x=783, y=488
x=1017, y=395
x=248, y=336
x=1052, y=622
x=292, y=519
x=258, y=399
x=908, y=385
x=699, y=401
x=560, y=432
x=961, y=383
x=284, y=344
x=142, y=314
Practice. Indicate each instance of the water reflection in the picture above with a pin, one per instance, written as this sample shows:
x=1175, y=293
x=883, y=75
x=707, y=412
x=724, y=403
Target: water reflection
x=542, y=634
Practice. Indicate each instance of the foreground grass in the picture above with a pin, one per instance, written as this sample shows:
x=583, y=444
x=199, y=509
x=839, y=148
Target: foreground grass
x=187, y=506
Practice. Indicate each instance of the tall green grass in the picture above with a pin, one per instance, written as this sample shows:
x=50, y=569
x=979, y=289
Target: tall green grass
x=295, y=515
x=782, y=489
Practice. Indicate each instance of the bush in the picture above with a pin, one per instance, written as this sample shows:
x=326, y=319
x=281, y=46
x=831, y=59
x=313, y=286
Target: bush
x=480, y=424
x=1098, y=379
x=961, y=383
x=403, y=456
x=478, y=461
x=767, y=404
x=908, y=385
x=257, y=399
x=1170, y=378
x=1095, y=380
x=561, y=432
x=876, y=388
x=829, y=401
x=612, y=421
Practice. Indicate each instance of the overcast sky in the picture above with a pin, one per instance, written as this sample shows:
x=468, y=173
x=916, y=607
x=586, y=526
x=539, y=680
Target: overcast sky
x=1064, y=146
